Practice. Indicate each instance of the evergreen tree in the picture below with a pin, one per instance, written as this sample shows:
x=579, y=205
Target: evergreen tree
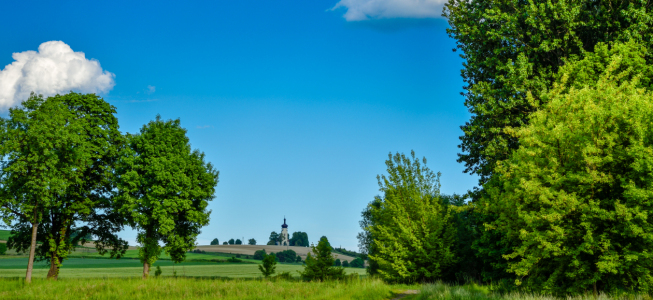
x=321, y=266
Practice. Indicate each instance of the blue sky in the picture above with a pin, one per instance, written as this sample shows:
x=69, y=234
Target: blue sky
x=297, y=105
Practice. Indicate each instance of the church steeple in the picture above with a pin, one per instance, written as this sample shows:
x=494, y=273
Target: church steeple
x=284, y=223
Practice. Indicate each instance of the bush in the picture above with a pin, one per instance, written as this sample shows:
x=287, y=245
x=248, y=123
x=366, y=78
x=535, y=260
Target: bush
x=345, y=264
x=259, y=254
x=269, y=265
x=357, y=263
x=3, y=248
x=287, y=256
x=284, y=275
x=337, y=263
x=158, y=271
x=234, y=260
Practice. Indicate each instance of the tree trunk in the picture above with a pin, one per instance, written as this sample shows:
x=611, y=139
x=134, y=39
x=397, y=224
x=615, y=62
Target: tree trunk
x=54, y=267
x=596, y=293
x=32, y=252
x=146, y=270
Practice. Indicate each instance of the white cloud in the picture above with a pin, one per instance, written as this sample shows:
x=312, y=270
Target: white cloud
x=359, y=10
x=151, y=89
x=54, y=69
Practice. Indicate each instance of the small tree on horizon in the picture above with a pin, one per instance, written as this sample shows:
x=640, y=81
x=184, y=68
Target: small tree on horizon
x=225, y=243
x=232, y=241
x=337, y=263
x=251, y=242
x=215, y=242
x=269, y=265
x=345, y=264
x=239, y=242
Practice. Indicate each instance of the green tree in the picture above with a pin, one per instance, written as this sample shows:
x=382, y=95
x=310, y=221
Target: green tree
x=3, y=248
x=232, y=242
x=337, y=263
x=287, y=256
x=345, y=264
x=225, y=243
x=165, y=188
x=299, y=239
x=215, y=242
x=511, y=49
x=259, y=254
x=239, y=242
x=406, y=250
x=357, y=263
x=576, y=194
x=251, y=242
x=321, y=266
x=274, y=237
x=79, y=145
x=269, y=265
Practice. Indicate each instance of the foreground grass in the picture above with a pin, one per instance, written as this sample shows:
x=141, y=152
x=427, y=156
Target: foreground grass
x=440, y=291
x=187, y=288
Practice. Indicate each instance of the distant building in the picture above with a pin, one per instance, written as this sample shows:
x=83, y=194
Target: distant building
x=283, y=238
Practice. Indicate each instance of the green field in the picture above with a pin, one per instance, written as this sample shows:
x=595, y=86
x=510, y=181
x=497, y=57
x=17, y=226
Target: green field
x=93, y=265
x=4, y=235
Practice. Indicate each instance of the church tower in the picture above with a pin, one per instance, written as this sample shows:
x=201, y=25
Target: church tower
x=284, y=241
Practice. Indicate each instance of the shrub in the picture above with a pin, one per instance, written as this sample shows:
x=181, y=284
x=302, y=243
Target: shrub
x=259, y=254
x=269, y=265
x=158, y=271
x=357, y=263
x=345, y=264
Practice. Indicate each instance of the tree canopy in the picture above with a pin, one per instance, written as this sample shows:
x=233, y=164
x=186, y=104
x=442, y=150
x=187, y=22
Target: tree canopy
x=576, y=194
x=164, y=190
x=404, y=249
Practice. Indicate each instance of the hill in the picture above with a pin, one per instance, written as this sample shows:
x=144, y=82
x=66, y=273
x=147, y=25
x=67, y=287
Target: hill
x=250, y=249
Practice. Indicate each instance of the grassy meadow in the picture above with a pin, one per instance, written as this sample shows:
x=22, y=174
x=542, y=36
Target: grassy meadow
x=190, y=288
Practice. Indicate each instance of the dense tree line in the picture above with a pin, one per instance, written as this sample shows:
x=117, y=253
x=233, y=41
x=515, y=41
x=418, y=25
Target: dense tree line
x=68, y=174
x=561, y=139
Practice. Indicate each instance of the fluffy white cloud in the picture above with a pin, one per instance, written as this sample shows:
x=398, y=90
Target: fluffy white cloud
x=358, y=10
x=54, y=69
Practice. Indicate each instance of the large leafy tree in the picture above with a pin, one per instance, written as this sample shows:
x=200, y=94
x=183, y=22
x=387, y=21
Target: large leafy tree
x=515, y=47
x=83, y=144
x=412, y=231
x=576, y=195
x=164, y=190
x=31, y=174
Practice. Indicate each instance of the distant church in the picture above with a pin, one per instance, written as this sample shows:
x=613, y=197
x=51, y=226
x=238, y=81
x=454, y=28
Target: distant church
x=283, y=239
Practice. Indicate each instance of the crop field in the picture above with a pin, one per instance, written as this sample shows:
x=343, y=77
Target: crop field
x=4, y=235
x=87, y=264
